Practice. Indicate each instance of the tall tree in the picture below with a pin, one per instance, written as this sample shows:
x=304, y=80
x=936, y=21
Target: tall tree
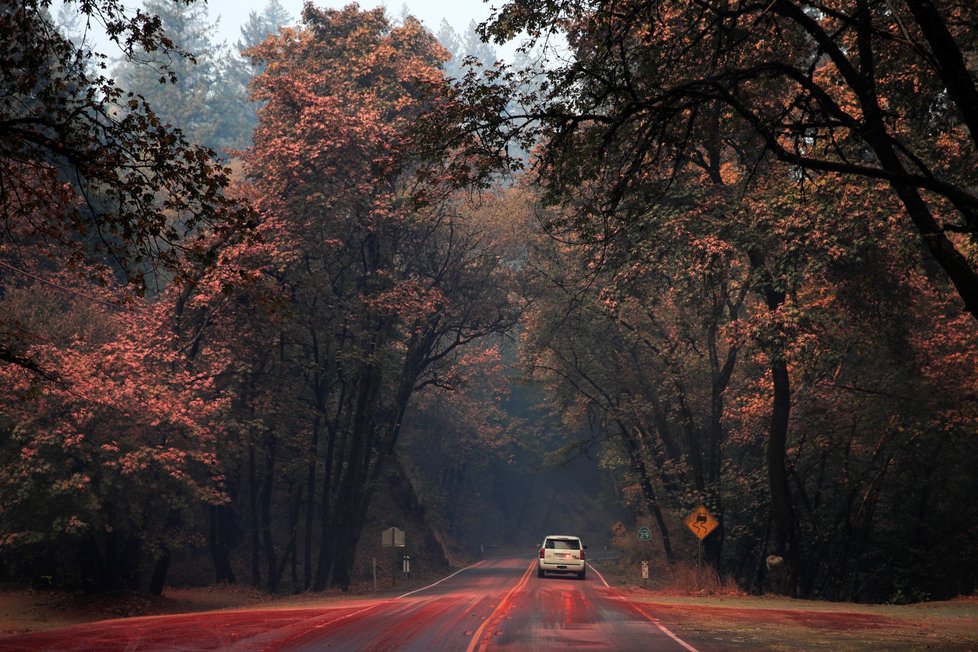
x=89, y=174
x=235, y=97
x=378, y=272
x=863, y=88
x=100, y=202
x=103, y=466
x=800, y=88
x=191, y=98
x=260, y=25
x=467, y=49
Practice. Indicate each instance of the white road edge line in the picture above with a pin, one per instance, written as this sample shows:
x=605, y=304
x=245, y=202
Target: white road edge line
x=603, y=580
x=425, y=588
x=380, y=602
x=343, y=617
x=654, y=621
x=665, y=630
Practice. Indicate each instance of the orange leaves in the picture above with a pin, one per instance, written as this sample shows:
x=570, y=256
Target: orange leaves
x=124, y=417
x=341, y=96
x=409, y=300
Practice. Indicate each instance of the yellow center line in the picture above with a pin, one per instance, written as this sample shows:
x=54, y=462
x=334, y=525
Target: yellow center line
x=474, y=644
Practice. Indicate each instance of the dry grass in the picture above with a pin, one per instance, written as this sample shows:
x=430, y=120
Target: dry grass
x=685, y=579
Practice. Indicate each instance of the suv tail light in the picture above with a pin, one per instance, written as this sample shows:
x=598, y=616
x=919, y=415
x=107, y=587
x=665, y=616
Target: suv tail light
x=541, y=553
x=582, y=554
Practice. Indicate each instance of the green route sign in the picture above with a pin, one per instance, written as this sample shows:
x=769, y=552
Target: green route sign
x=644, y=534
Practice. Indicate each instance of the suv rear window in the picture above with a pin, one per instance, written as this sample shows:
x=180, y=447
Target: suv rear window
x=564, y=544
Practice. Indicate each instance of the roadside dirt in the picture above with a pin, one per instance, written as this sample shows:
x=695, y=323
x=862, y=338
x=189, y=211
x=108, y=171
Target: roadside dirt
x=774, y=623
x=30, y=610
x=710, y=622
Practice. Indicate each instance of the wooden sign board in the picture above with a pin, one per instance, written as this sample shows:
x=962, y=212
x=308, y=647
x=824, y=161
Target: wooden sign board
x=392, y=538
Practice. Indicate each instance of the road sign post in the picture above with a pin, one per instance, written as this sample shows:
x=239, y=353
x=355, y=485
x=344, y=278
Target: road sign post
x=645, y=534
x=393, y=538
x=701, y=522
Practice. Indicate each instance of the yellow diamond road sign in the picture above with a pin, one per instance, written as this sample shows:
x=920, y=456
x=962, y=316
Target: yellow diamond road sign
x=701, y=522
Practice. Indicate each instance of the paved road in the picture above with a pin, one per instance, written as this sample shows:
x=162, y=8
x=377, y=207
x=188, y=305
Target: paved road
x=494, y=605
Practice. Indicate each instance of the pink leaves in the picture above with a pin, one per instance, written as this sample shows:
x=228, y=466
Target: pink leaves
x=409, y=300
x=125, y=418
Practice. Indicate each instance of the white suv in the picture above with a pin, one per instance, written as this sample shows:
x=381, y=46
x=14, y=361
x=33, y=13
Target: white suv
x=561, y=553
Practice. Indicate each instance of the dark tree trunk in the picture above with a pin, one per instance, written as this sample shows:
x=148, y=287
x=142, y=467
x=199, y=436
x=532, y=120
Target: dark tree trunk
x=220, y=538
x=294, y=568
x=162, y=565
x=874, y=132
x=346, y=547
x=310, y=505
x=776, y=455
x=951, y=65
x=289, y=556
x=91, y=562
x=648, y=491
x=265, y=507
x=324, y=564
x=160, y=570
x=454, y=484
x=253, y=513
x=355, y=476
x=782, y=510
x=713, y=545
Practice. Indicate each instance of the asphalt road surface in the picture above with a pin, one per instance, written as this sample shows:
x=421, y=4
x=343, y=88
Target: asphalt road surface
x=493, y=605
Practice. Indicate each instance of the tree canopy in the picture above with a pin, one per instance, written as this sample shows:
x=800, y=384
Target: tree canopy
x=724, y=250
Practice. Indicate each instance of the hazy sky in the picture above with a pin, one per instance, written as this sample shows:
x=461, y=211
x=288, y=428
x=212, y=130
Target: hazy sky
x=458, y=13
x=230, y=15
